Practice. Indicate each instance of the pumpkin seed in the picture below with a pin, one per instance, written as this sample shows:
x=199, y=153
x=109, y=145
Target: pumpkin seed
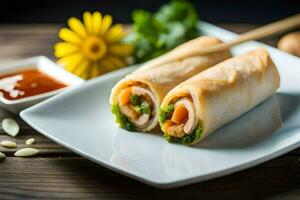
x=2, y=155
x=10, y=126
x=26, y=152
x=30, y=141
x=8, y=144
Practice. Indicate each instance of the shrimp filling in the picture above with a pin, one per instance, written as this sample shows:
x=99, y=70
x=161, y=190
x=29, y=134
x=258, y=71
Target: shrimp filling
x=137, y=104
x=183, y=119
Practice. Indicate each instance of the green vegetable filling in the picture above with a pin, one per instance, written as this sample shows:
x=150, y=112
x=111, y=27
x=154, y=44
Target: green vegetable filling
x=137, y=109
x=121, y=119
x=145, y=107
x=134, y=100
x=139, y=105
x=187, y=139
x=165, y=113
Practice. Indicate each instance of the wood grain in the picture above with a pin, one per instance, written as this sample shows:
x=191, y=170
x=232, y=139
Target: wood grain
x=57, y=173
x=79, y=178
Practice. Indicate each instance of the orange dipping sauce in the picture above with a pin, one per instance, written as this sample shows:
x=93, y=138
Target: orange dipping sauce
x=26, y=83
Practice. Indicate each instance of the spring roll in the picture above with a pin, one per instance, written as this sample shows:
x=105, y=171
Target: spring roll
x=136, y=99
x=198, y=106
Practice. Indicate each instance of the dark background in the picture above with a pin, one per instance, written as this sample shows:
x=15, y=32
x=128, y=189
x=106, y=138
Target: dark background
x=228, y=11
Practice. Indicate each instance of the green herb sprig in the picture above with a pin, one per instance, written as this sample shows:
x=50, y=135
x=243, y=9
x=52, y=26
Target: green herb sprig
x=157, y=33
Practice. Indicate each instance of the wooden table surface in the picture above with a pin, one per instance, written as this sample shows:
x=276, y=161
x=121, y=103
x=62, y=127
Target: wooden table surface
x=58, y=173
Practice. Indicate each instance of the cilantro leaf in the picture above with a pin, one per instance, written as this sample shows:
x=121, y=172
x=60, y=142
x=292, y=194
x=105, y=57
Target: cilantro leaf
x=157, y=33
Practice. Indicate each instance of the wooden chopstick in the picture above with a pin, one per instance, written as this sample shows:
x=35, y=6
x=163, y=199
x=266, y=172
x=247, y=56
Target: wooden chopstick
x=261, y=32
x=258, y=33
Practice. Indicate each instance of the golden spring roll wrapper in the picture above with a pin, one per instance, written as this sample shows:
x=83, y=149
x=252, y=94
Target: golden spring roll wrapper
x=165, y=77
x=171, y=74
x=229, y=89
x=256, y=127
x=180, y=52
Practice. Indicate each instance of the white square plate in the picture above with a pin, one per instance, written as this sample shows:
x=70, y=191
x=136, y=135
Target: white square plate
x=80, y=119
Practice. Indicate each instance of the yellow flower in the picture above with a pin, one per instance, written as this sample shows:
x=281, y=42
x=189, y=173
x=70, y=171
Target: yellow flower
x=92, y=47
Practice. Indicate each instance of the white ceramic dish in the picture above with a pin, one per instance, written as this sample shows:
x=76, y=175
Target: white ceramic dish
x=80, y=120
x=45, y=65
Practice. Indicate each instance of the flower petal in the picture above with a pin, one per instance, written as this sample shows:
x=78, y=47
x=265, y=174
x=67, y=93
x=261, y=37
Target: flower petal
x=97, y=18
x=106, y=23
x=104, y=66
x=71, y=62
x=110, y=63
x=115, y=33
x=87, y=72
x=115, y=61
x=82, y=69
x=120, y=49
x=94, y=70
x=63, y=49
x=69, y=36
x=77, y=27
x=88, y=21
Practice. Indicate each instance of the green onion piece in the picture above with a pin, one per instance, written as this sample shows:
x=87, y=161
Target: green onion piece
x=137, y=109
x=168, y=137
x=145, y=107
x=162, y=117
x=198, y=132
x=134, y=100
x=121, y=119
x=165, y=112
x=186, y=139
x=169, y=108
